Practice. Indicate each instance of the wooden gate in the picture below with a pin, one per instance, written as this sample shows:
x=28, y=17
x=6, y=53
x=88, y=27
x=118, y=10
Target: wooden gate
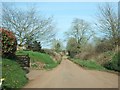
x=23, y=60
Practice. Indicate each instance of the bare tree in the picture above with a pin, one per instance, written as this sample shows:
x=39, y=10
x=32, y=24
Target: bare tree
x=27, y=25
x=108, y=21
x=80, y=30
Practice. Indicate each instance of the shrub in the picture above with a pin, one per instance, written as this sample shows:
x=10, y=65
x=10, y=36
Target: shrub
x=114, y=63
x=9, y=43
x=35, y=46
x=104, y=47
x=56, y=56
x=83, y=55
x=105, y=57
x=87, y=52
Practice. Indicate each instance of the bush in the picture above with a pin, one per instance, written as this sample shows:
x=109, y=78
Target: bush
x=36, y=46
x=105, y=57
x=57, y=57
x=84, y=55
x=9, y=43
x=114, y=64
x=14, y=75
x=87, y=52
x=104, y=46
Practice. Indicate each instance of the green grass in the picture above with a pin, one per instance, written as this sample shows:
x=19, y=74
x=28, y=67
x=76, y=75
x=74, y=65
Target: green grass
x=89, y=64
x=39, y=57
x=14, y=76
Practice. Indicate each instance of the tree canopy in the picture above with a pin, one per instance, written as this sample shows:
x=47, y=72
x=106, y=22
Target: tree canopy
x=28, y=25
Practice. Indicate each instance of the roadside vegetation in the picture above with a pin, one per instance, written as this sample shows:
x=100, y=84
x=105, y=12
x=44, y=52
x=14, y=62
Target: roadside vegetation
x=12, y=71
x=39, y=60
x=25, y=32
x=88, y=64
x=106, y=61
x=103, y=51
x=114, y=64
x=15, y=76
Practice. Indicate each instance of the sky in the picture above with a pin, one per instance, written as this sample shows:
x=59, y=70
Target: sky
x=60, y=0
x=64, y=12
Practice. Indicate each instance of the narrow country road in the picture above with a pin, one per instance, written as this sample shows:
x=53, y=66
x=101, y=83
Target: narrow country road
x=69, y=75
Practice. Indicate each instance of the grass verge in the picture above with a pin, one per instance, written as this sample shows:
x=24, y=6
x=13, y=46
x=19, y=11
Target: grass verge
x=14, y=76
x=89, y=64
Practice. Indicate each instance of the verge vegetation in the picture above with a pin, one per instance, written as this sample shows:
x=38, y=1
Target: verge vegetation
x=89, y=64
x=39, y=59
x=15, y=76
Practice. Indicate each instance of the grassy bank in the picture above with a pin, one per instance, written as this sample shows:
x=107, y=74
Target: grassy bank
x=89, y=64
x=39, y=57
x=14, y=76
